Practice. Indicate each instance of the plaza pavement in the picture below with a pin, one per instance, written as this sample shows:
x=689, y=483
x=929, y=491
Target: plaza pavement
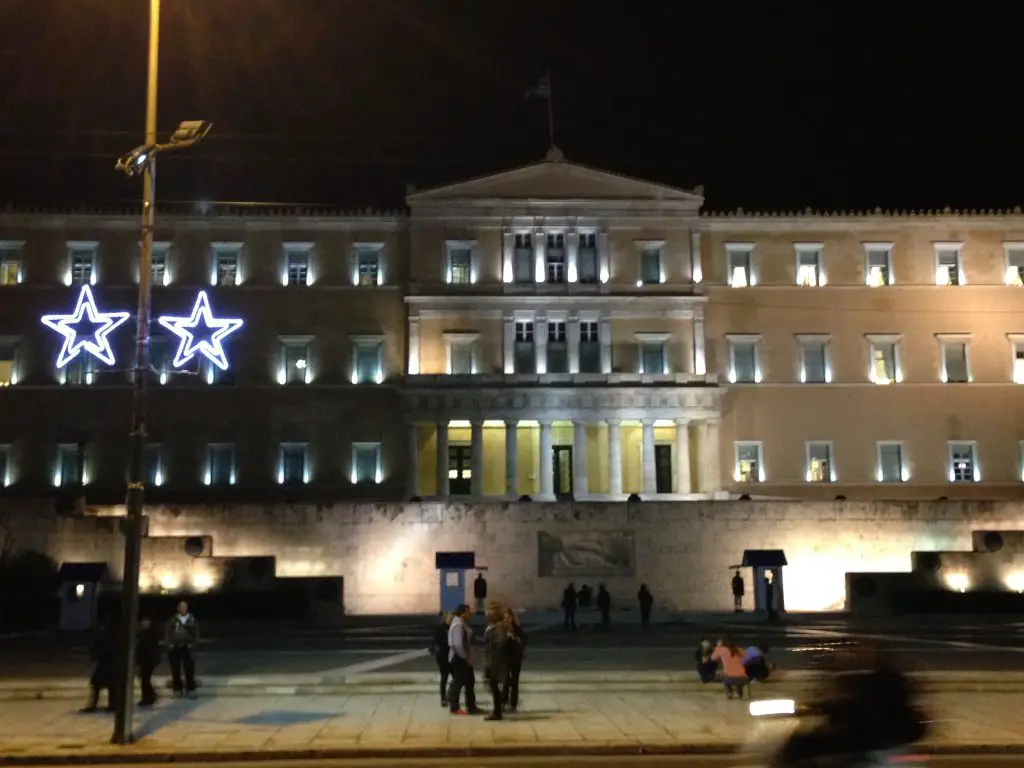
x=410, y=725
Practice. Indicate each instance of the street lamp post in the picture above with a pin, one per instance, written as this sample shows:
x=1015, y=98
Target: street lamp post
x=141, y=159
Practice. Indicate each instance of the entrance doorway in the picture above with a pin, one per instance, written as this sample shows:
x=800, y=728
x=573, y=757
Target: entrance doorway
x=663, y=468
x=459, y=472
x=562, y=467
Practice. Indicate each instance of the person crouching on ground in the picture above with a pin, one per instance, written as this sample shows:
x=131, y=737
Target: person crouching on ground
x=706, y=666
x=516, y=653
x=439, y=649
x=757, y=665
x=460, y=662
x=734, y=675
x=496, y=641
x=182, y=638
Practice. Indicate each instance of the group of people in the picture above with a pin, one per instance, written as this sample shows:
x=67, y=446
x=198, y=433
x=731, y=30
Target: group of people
x=739, y=666
x=504, y=642
x=180, y=637
x=573, y=599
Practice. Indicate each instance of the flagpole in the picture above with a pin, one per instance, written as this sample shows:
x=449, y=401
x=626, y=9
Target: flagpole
x=551, y=114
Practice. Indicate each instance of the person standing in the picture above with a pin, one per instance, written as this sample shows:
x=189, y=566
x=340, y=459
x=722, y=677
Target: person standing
x=737, y=592
x=496, y=640
x=604, y=605
x=102, y=656
x=147, y=657
x=439, y=648
x=646, y=600
x=480, y=592
x=569, y=606
x=706, y=666
x=182, y=637
x=769, y=596
x=516, y=654
x=460, y=661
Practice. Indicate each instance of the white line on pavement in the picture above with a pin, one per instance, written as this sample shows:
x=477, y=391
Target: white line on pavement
x=962, y=644
x=375, y=664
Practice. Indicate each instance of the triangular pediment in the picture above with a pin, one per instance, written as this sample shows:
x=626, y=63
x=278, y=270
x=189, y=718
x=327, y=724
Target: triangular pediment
x=553, y=180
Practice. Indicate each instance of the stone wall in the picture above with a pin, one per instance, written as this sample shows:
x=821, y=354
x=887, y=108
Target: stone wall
x=682, y=550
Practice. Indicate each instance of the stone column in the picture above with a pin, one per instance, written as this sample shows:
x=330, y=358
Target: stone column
x=696, y=266
x=650, y=484
x=540, y=343
x=414, y=346
x=539, y=264
x=604, y=332
x=614, y=457
x=413, y=468
x=547, y=469
x=572, y=250
x=442, y=460
x=512, y=458
x=700, y=366
x=506, y=256
x=711, y=461
x=476, y=459
x=580, y=483
x=683, y=456
x=573, y=334
x=603, y=257
x=509, y=341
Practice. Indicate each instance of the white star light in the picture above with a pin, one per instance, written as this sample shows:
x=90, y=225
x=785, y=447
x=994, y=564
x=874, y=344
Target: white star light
x=208, y=340
x=93, y=340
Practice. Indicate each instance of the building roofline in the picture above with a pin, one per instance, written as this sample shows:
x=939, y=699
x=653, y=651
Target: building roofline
x=206, y=208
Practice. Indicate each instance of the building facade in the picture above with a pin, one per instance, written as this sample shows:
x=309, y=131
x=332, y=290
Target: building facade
x=552, y=331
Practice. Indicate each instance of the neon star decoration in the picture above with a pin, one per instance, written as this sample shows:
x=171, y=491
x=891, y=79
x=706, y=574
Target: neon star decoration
x=201, y=333
x=86, y=329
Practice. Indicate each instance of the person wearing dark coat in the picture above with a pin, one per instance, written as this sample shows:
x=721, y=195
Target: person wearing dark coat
x=569, y=606
x=646, y=600
x=604, y=605
x=706, y=666
x=496, y=640
x=516, y=652
x=147, y=658
x=102, y=656
x=439, y=648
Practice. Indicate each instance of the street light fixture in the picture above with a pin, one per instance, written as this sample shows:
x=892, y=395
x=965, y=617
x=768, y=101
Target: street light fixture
x=141, y=160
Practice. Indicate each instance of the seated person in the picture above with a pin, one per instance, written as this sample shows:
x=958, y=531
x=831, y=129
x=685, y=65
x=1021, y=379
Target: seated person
x=706, y=666
x=757, y=665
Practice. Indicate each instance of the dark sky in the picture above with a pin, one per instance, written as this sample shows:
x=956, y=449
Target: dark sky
x=770, y=105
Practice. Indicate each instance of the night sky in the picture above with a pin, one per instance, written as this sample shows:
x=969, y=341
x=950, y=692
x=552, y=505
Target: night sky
x=770, y=105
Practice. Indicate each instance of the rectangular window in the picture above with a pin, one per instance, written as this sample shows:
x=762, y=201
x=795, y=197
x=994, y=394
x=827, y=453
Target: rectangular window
x=819, y=463
x=220, y=464
x=461, y=357
x=740, y=269
x=293, y=464
x=586, y=258
x=159, y=356
x=650, y=264
x=10, y=264
x=748, y=463
x=368, y=368
x=226, y=265
x=158, y=275
x=554, y=256
x=5, y=464
x=652, y=357
x=963, y=462
x=1014, y=264
x=590, y=347
x=368, y=265
x=879, y=265
x=1017, y=370
x=152, y=465
x=69, y=469
x=83, y=265
x=808, y=266
x=743, y=362
x=525, y=359
x=8, y=363
x=212, y=374
x=297, y=262
x=948, y=270
x=814, y=363
x=884, y=362
x=460, y=264
x=890, y=463
x=366, y=463
x=79, y=372
x=557, y=348
x=522, y=258
x=295, y=362
x=955, y=367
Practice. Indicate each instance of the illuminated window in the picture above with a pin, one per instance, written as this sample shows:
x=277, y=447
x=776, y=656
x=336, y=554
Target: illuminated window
x=461, y=352
x=590, y=346
x=525, y=355
x=963, y=462
x=70, y=468
x=5, y=464
x=366, y=466
x=885, y=363
x=557, y=347
x=948, y=269
x=891, y=468
x=367, y=364
x=294, y=362
x=652, y=357
x=212, y=374
x=554, y=257
x=955, y=360
x=159, y=356
x=220, y=464
x=293, y=465
x=83, y=264
x=522, y=258
x=748, y=462
x=460, y=263
x=814, y=366
x=740, y=267
x=819, y=462
x=79, y=372
x=225, y=265
x=809, y=271
x=297, y=266
x=586, y=258
x=1014, y=264
x=8, y=363
x=158, y=274
x=744, y=366
x=650, y=263
x=1017, y=348
x=10, y=263
x=152, y=465
x=879, y=264
x=368, y=266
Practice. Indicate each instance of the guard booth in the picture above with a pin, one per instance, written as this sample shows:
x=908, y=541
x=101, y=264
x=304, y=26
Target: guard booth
x=80, y=588
x=452, y=568
x=767, y=565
